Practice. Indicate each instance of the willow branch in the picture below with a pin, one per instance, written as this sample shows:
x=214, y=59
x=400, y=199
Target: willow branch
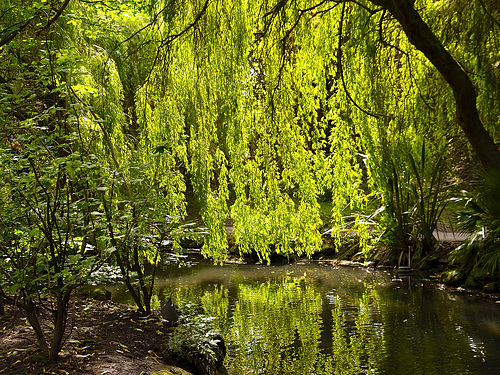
x=58, y=14
x=341, y=70
x=173, y=37
x=489, y=13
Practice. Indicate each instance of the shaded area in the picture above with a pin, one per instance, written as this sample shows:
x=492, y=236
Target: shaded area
x=106, y=339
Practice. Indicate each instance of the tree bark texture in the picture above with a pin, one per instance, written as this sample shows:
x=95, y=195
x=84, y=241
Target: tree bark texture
x=422, y=37
x=61, y=317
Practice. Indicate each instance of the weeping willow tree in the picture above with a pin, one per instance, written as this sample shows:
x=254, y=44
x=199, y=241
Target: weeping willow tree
x=258, y=131
x=262, y=107
x=268, y=105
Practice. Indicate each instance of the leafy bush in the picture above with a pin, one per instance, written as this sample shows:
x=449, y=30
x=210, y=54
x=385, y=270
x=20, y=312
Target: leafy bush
x=480, y=217
x=45, y=228
x=196, y=342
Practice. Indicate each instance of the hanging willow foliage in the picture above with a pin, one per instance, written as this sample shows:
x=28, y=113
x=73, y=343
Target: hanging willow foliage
x=264, y=106
x=252, y=116
x=267, y=106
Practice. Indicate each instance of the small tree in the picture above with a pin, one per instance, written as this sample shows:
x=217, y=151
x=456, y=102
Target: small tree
x=130, y=240
x=45, y=251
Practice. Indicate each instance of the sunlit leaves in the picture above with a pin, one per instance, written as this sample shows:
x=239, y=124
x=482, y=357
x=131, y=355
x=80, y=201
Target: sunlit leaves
x=251, y=104
x=252, y=128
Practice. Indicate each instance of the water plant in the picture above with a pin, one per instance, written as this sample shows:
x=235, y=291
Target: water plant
x=413, y=200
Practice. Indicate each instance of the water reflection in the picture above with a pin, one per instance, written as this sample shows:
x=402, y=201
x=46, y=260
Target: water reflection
x=310, y=319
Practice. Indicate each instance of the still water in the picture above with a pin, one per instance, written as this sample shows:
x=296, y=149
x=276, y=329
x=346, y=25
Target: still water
x=320, y=319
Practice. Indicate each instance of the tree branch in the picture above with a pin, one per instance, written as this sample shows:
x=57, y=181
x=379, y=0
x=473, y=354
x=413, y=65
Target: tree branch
x=57, y=15
x=173, y=37
x=421, y=36
x=7, y=39
x=489, y=13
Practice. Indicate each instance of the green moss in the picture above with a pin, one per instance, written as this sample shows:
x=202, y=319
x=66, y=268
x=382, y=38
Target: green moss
x=453, y=277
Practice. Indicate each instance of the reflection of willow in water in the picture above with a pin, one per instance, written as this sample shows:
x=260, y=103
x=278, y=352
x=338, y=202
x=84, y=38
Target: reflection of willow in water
x=356, y=339
x=276, y=329
x=290, y=325
x=283, y=333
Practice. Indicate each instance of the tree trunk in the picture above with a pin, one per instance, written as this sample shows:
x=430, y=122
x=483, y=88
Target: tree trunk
x=32, y=318
x=142, y=283
x=421, y=36
x=59, y=324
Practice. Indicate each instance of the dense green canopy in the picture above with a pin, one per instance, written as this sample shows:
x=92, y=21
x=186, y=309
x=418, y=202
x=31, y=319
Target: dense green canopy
x=261, y=107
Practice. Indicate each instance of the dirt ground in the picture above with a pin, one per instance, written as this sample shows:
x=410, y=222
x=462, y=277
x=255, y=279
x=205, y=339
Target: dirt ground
x=102, y=338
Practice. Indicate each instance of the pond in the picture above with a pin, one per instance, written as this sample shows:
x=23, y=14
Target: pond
x=320, y=319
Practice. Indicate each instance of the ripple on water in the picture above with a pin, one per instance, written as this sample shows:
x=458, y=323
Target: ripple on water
x=296, y=319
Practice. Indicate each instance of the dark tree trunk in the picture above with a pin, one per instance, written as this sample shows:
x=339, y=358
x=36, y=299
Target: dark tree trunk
x=131, y=112
x=421, y=36
x=61, y=317
x=32, y=318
